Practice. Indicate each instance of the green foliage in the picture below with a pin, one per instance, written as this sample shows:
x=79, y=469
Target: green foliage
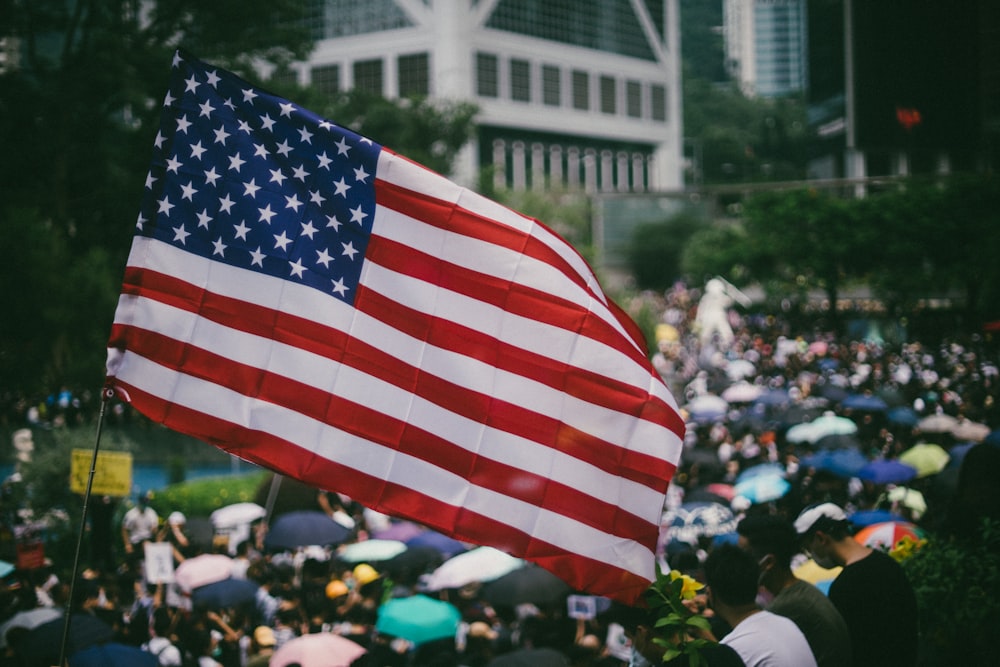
x=678, y=629
x=566, y=213
x=201, y=497
x=956, y=584
x=656, y=249
x=716, y=250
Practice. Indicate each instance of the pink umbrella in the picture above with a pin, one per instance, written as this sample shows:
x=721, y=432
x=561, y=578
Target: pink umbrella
x=887, y=534
x=321, y=649
x=202, y=570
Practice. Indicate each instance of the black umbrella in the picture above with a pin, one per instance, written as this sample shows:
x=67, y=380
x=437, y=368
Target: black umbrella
x=113, y=654
x=226, y=593
x=413, y=562
x=302, y=529
x=838, y=441
x=43, y=644
x=527, y=585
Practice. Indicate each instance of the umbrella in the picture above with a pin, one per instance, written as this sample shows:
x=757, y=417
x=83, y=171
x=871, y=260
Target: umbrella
x=903, y=416
x=937, y=423
x=399, y=530
x=304, y=528
x=810, y=571
x=480, y=564
x=707, y=408
x=237, y=514
x=225, y=593
x=370, y=551
x=412, y=562
x=909, y=498
x=826, y=424
x=863, y=518
x=320, y=649
x=864, y=403
x=886, y=471
x=841, y=441
x=763, y=488
x=200, y=532
x=113, y=654
x=831, y=392
x=693, y=520
x=774, y=397
x=742, y=392
x=418, y=619
x=530, y=657
x=885, y=535
x=762, y=470
x=737, y=369
x=203, y=569
x=841, y=462
x=6, y=568
x=28, y=620
x=43, y=644
x=928, y=459
x=531, y=584
x=970, y=431
x=446, y=546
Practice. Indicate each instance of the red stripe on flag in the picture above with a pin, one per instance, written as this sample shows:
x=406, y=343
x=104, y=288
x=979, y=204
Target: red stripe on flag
x=338, y=346
x=580, y=572
x=457, y=220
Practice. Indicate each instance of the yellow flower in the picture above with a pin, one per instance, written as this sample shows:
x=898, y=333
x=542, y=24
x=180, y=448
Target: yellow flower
x=689, y=588
x=905, y=547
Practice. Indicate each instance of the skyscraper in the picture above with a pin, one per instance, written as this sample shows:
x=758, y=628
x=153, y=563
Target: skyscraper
x=574, y=93
x=765, y=44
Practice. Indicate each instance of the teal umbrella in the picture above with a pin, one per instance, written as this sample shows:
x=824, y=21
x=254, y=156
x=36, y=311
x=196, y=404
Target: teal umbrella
x=418, y=619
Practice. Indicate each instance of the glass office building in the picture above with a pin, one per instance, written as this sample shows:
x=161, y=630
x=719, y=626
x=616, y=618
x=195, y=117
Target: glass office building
x=572, y=93
x=766, y=47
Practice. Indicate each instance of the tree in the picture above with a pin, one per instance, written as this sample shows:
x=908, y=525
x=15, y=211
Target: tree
x=656, y=248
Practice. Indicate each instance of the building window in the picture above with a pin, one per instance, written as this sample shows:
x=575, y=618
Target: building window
x=520, y=80
x=633, y=99
x=368, y=76
x=326, y=78
x=551, y=90
x=487, y=75
x=581, y=90
x=284, y=78
x=609, y=95
x=414, y=75
x=658, y=98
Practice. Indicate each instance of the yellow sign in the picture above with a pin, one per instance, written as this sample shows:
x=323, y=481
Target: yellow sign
x=112, y=475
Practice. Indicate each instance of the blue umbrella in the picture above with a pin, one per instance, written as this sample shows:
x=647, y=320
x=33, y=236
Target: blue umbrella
x=445, y=545
x=225, y=593
x=863, y=518
x=302, y=529
x=773, y=397
x=903, y=416
x=418, y=619
x=865, y=403
x=887, y=471
x=113, y=654
x=763, y=488
x=841, y=462
x=762, y=470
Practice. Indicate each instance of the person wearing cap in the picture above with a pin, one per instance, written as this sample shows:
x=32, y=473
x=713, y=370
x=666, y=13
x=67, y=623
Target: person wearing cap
x=772, y=542
x=872, y=592
x=261, y=647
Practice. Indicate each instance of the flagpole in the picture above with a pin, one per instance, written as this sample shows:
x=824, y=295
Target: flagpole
x=106, y=397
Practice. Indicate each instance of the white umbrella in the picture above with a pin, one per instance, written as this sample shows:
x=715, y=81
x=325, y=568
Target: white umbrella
x=237, y=514
x=742, y=392
x=203, y=570
x=738, y=369
x=826, y=424
x=480, y=564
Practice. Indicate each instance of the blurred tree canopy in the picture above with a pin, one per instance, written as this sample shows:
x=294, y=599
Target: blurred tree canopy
x=920, y=240
x=79, y=108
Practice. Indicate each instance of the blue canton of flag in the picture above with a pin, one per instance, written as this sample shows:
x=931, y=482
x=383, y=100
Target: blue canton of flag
x=273, y=187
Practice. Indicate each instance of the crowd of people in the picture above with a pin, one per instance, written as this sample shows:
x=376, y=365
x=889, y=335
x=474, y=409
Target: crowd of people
x=759, y=610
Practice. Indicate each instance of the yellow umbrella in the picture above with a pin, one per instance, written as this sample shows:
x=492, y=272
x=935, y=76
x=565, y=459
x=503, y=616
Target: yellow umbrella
x=814, y=574
x=928, y=459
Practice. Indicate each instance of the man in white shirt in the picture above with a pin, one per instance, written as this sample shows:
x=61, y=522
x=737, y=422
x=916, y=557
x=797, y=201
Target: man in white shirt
x=761, y=638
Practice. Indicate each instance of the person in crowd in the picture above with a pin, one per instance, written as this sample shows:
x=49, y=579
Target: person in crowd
x=262, y=647
x=772, y=542
x=639, y=624
x=139, y=525
x=872, y=592
x=762, y=639
x=160, y=643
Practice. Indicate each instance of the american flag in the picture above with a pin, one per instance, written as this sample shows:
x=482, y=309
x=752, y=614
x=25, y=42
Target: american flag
x=308, y=300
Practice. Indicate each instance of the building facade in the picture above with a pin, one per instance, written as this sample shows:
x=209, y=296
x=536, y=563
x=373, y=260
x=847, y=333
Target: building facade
x=571, y=93
x=766, y=46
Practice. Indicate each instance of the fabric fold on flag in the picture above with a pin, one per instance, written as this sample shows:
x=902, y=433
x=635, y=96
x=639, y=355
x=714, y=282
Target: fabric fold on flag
x=310, y=301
